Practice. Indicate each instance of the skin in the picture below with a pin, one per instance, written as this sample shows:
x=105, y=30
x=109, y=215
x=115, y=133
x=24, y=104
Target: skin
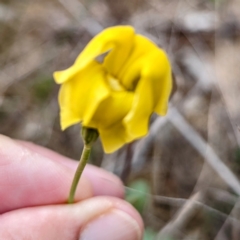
x=34, y=186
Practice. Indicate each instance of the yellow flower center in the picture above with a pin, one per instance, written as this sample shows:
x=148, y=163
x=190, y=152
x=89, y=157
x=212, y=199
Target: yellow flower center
x=114, y=83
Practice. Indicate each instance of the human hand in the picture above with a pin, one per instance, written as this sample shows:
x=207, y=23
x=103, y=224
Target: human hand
x=34, y=186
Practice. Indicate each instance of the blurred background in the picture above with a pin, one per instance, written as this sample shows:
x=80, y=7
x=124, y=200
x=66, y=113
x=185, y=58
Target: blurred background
x=184, y=176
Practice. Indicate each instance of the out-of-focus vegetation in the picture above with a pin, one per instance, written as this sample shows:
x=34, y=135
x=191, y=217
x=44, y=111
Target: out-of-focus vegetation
x=185, y=191
x=138, y=194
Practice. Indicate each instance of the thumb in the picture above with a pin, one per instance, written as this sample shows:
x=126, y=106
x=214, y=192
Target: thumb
x=102, y=218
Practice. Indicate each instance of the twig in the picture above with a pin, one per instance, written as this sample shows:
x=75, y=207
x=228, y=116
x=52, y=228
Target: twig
x=194, y=139
x=203, y=148
x=190, y=209
x=143, y=146
x=216, y=194
x=81, y=15
x=176, y=227
x=235, y=228
x=127, y=164
x=236, y=214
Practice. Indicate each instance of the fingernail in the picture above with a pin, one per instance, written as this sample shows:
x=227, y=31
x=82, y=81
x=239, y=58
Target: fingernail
x=115, y=225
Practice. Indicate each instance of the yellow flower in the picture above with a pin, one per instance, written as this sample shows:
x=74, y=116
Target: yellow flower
x=117, y=96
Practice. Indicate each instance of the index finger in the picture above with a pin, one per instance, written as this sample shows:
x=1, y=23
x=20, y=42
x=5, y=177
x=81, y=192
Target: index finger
x=31, y=176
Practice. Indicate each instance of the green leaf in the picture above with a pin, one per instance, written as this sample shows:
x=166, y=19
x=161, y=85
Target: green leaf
x=138, y=194
x=149, y=234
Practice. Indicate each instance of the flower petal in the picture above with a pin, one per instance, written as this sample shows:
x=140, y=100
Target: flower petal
x=65, y=75
x=108, y=120
x=119, y=40
x=136, y=122
x=113, y=138
x=111, y=110
x=80, y=97
x=151, y=93
x=142, y=47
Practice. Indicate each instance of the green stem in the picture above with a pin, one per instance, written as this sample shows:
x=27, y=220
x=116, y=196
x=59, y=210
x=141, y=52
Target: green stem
x=82, y=163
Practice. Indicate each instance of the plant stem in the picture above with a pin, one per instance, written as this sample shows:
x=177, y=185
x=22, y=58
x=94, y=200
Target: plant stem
x=82, y=163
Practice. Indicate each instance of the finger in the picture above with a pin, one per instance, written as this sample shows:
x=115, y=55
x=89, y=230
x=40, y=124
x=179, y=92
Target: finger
x=101, y=218
x=29, y=179
x=99, y=177
x=48, y=153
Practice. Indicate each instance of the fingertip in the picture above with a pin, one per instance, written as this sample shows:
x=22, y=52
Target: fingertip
x=121, y=222
x=126, y=207
x=95, y=218
x=104, y=183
